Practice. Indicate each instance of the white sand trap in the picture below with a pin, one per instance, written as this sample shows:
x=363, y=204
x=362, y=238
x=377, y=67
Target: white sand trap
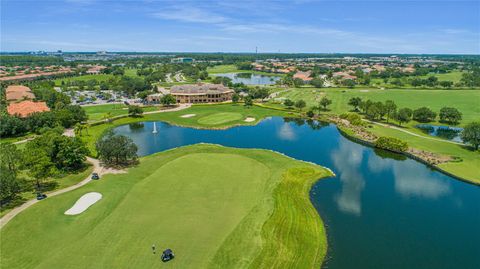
x=364, y=90
x=84, y=203
x=188, y=115
x=249, y=119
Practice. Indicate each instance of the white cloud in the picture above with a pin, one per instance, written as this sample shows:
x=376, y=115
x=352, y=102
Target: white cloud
x=190, y=14
x=347, y=159
x=286, y=132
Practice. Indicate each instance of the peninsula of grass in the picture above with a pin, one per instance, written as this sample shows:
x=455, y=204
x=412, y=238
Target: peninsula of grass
x=216, y=207
x=219, y=116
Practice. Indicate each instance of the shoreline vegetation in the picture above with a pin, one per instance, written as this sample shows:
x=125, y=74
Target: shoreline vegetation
x=446, y=160
x=273, y=214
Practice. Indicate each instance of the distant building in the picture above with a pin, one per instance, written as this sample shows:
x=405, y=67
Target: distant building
x=305, y=76
x=25, y=108
x=182, y=60
x=15, y=93
x=95, y=70
x=201, y=93
x=344, y=75
x=154, y=98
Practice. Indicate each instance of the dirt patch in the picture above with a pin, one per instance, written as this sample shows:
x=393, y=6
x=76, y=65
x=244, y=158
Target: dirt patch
x=431, y=158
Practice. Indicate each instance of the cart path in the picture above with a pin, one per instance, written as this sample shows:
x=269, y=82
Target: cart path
x=97, y=168
x=412, y=133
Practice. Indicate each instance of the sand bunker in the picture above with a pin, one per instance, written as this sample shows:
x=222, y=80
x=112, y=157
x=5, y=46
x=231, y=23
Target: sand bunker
x=364, y=90
x=249, y=119
x=188, y=115
x=84, y=203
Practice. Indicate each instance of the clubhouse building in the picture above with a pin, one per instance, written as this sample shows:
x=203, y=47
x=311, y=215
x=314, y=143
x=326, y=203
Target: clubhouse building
x=201, y=93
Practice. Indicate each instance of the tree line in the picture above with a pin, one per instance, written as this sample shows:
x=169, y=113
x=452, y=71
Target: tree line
x=47, y=156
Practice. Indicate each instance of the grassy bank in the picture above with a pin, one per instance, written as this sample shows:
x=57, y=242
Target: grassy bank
x=240, y=208
x=467, y=168
x=205, y=116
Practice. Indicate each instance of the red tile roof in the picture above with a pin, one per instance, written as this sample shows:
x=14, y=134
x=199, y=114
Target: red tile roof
x=25, y=108
x=18, y=93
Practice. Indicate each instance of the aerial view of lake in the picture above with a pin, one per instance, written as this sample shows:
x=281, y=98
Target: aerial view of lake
x=250, y=78
x=381, y=210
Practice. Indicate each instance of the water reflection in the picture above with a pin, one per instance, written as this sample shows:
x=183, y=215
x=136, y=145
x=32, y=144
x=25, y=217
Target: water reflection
x=286, y=132
x=347, y=159
x=410, y=179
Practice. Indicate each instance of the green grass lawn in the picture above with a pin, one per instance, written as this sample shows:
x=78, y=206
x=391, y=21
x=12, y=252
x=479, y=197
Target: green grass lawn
x=98, y=112
x=206, y=116
x=232, y=208
x=99, y=78
x=131, y=72
x=467, y=168
x=454, y=76
x=467, y=101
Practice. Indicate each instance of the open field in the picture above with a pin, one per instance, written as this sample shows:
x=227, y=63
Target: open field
x=206, y=116
x=467, y=101
x=240, y=208
x=454, y=76
x=99, y=77
x=98, y=112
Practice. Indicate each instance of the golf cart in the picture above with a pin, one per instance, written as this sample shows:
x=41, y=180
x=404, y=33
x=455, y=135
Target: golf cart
x=95, y=176
x=41, y=196
x=167, y=255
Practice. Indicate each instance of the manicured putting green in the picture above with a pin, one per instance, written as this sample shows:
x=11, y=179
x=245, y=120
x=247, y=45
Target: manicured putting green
x=219, y=118
x=216, y=207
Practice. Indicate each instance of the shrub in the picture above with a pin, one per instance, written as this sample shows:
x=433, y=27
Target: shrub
x=391, y=143
x=353, y=118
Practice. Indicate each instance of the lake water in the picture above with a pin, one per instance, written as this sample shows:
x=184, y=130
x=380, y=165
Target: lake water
x=445, y=132
x=250, y=78
x=381, y=210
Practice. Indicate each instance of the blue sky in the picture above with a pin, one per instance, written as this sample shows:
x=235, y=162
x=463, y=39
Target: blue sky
x=426, y=26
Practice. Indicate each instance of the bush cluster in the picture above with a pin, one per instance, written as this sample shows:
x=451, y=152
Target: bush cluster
x=391, y=143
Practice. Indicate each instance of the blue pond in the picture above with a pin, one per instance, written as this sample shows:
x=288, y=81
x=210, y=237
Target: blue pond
x=446, y=132
x=250, y=78
x=381, y=210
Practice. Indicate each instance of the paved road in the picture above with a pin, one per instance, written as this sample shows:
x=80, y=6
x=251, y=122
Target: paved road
x=97, y=168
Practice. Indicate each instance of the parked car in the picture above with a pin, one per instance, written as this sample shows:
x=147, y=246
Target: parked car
x=41, y=196
x=95, y=176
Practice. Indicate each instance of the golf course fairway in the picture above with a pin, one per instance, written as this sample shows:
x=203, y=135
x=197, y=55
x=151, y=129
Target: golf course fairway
x=215, y=207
